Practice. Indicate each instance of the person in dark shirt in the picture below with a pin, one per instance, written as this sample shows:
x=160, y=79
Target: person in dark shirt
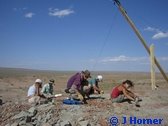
x=74, y=84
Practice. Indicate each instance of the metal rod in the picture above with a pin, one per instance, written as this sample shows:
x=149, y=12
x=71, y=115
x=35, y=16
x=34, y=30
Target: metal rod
x=140, y=37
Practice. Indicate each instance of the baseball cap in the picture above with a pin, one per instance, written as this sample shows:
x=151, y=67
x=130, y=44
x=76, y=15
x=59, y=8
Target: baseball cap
x=100, y=77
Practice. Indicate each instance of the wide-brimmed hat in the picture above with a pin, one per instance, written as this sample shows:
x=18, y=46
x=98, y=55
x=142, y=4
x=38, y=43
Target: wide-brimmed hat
x=87, y=73
x=51, y=81
x=38, y=81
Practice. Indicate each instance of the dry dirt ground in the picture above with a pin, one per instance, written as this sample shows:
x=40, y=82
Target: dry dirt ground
x=14, y=84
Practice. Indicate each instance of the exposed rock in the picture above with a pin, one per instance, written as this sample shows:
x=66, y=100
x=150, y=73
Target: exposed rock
x=21, y=115
x=7, y=125
x=46, y=124
x=22, y=123
x=33, y=111
x=15, y=124
x=29, y=124
x=80, y=119
x=83, y=123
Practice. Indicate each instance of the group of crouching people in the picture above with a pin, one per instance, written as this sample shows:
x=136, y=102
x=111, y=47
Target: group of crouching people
x=79, y=87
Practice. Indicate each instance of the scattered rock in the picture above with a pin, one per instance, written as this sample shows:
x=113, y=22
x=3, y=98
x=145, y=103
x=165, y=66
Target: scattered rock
x=22, y=114
x=39, y=118
x=15, y=124
x=46, y=124
x=22, y=123
x=65, y=123
x=7, y=125
x=29, y=124
x=83, y=123
x=80, y=119
x=68, y=124
x=32, y=111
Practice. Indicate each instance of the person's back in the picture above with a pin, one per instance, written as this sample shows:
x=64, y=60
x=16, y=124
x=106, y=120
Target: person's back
x=75, y=79
x=93, y=82
x=31, y=91
x=116, y=91
x=93, y=86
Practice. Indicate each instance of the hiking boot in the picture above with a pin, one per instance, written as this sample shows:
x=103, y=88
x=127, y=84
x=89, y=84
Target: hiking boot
x=137, y=100
x=67, y=90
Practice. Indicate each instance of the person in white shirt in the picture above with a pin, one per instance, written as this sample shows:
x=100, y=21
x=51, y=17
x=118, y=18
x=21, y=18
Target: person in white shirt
x=34, y=94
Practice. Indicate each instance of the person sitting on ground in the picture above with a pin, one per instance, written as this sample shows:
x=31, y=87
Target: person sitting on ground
x=93, y=86
x=34, y=94
x=74, y=85
x=47, y=90
x=123, y=92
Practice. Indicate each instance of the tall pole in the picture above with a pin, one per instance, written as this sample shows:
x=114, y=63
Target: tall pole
x=153, y=83
x=140, y=37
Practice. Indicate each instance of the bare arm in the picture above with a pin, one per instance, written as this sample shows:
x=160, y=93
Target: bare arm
x=125, y=92
x=38, y=91
x=132, y=94
x=96, y=88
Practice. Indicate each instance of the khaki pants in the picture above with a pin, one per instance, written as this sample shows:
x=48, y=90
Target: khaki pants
x=74, y=94
x=34, y=100
x=119, y=99
x=86, y=89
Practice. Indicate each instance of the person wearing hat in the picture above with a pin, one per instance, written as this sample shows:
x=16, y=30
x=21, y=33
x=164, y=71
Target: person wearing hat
x=74, y=84
x=47, y=89
x=34, y=94
x=93, y=86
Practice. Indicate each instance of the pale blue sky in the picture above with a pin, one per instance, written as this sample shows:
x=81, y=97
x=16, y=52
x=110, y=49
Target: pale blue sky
x=81, y=34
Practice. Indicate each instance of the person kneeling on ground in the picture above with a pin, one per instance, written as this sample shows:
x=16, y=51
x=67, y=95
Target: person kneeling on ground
x=74, y=85
x=93, y=86
x=47, y=90
x=122, y=92
x=34, y=94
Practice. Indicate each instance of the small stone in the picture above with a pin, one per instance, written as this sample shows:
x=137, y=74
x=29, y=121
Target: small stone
x=65, y=123
x=22, y=114
x=39, y=118
x=48, y=116
x=28, y=119
x=29, y=124
x=15, y=124
x=32, y=111
x=33, y=119
x=36, y=123
x=83, y=123
x=7, y=125
x=22, y=122
x=46, y=124
x=81, y=119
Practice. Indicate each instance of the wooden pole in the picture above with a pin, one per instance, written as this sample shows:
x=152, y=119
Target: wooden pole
x=153, y=82
x=140, y=37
